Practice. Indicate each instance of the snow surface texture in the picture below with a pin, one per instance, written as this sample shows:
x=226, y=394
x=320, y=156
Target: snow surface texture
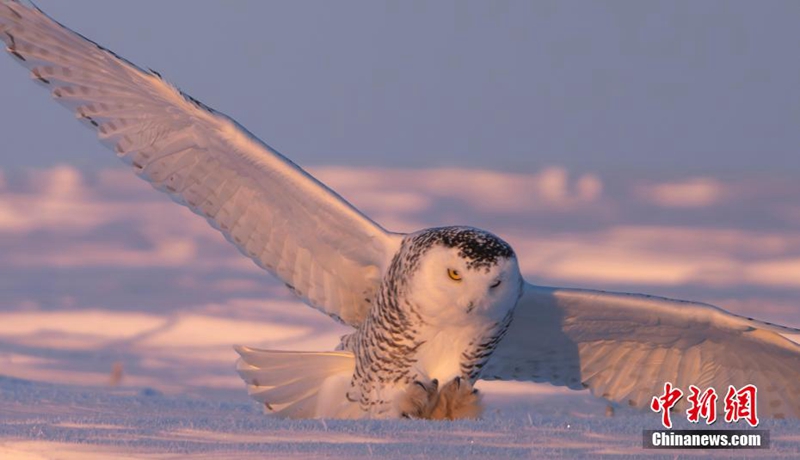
x=119, y=311
x=48, y=421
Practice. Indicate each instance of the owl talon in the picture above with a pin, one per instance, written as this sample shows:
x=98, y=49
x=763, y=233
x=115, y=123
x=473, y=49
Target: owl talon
x=420, y=399
x=434, y=385
x=456, y=400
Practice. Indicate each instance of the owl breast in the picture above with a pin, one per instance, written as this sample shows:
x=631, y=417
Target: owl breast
x=442, y=355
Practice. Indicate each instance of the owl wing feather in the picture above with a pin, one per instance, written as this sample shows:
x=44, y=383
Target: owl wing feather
x=278, y=215
x=624, y=347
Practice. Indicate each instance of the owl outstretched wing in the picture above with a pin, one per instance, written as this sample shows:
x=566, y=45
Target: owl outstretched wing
x=282, y=218
x=624, y=347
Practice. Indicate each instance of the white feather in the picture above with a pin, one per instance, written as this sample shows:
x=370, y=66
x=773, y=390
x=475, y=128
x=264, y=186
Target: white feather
x=624, y=347
x=273, y=211
x=299, y=384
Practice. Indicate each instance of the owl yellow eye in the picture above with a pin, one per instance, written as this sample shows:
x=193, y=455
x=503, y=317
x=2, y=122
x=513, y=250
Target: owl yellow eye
x=454, y=275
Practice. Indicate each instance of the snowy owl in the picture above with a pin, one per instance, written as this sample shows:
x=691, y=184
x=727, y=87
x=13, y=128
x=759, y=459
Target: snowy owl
x=432, y=311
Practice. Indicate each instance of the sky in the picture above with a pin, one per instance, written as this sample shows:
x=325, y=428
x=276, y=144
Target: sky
x=616, y=87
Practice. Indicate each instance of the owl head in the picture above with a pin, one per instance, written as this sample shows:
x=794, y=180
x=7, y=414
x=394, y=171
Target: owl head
x=456, y=274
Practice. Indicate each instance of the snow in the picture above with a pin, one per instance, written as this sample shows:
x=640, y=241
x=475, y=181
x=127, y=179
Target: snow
x=58, y=421
x=181, y=398
x=116, y=340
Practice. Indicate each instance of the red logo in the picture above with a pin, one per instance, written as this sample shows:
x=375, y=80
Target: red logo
x=739, y=404
x=703, y=405
x=665, y=402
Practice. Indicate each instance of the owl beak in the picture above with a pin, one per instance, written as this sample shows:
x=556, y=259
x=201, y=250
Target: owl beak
x=470, y=307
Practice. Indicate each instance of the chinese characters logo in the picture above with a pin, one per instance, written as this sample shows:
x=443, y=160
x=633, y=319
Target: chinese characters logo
x=739, y=404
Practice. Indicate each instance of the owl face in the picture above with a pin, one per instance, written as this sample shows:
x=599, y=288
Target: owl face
x=471, y=276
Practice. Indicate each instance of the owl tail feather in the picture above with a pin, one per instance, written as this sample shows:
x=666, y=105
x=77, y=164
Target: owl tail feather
x=299, y=384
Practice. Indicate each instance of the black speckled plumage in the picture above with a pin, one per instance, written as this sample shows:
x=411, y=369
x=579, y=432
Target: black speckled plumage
x=479, y=248
x=385, y=345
